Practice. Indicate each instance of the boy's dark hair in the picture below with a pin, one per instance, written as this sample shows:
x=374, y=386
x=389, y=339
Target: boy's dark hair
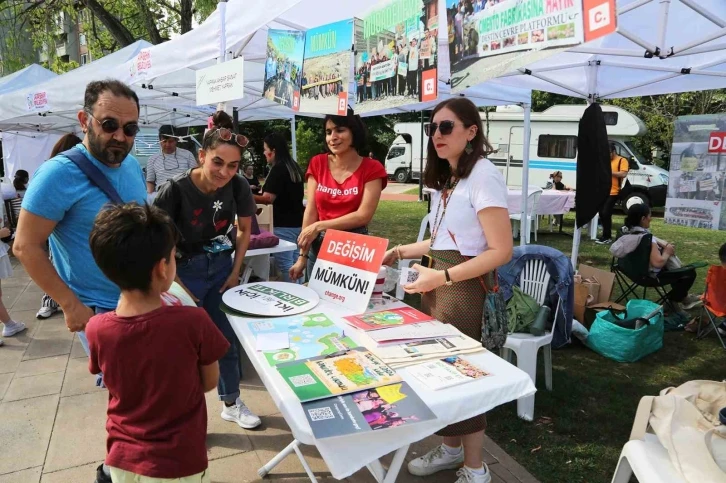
x=127, y=241
x=95, y=88
x=722, y=253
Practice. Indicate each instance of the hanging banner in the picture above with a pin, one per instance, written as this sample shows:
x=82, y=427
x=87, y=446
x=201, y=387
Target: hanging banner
x=396, y=59
x=220, y=82
x=347, y=267
x=283, y=67
x=696, y=195
x=38, y=102
x=488, y=39
x=326, y=69
x=141, y=65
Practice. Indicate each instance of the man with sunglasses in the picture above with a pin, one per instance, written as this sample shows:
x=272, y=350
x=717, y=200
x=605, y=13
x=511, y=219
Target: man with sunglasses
x=170, y=162
x=62, y=203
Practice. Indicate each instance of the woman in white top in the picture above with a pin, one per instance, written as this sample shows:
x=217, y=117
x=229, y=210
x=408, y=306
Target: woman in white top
x=471, y=237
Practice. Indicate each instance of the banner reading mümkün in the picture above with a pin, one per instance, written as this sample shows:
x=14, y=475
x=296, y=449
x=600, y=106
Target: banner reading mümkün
x=326, y=71
x=283, y=68
x=396, y=55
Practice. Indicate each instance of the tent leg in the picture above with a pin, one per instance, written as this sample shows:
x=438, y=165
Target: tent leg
x=523, y=237
x=293, y=128
x=575, y=247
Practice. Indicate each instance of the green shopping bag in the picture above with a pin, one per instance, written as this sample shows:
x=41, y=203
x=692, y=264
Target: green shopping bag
x=609, y=338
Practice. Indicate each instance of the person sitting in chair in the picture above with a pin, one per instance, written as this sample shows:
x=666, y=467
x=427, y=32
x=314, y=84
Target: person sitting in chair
x=664, y=264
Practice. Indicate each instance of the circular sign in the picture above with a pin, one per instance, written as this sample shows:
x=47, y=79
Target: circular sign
x=271, y=299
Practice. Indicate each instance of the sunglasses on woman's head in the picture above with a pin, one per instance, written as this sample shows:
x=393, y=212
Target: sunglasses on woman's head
x=226, y=135
x=110, y=126
x=444, y=127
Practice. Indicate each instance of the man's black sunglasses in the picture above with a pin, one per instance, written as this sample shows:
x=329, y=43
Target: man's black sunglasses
x=444, y=127
x=110, y=126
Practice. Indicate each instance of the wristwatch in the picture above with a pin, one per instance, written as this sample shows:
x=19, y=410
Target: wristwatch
x=448, y=277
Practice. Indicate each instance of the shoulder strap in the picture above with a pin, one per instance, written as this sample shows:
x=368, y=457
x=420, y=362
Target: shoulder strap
x=481, y=278
x=93, y=174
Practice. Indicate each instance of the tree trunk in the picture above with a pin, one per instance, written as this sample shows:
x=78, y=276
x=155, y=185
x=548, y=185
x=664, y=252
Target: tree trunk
x=149, y=22
x=118, y=31
x=186, y=16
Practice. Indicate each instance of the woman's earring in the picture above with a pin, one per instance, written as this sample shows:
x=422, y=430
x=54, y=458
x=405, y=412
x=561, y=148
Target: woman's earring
x=468, y=149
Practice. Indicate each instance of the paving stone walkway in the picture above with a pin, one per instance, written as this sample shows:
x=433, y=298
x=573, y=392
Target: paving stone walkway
x=52, y=417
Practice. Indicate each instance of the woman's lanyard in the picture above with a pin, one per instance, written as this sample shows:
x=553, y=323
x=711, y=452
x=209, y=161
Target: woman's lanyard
x=444, y=199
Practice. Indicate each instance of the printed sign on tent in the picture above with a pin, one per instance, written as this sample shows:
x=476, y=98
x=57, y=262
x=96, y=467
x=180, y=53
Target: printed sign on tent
x=697, y=178
x=396, y=55
x=488, y=39
x=38, y=101
x=326, y=69
x=221, y=82
x=346, y=269
x=141, y=65
x=283, y=67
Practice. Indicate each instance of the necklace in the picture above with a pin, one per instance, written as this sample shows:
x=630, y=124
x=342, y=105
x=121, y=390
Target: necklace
x=444, y=198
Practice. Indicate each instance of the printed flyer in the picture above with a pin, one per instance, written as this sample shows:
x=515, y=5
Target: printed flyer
x=408, y=353
x=396, y=59
x=696, y=181
x=347, y=267
x=361, y=412
x=387, y=318
x=310, y=336
x=323, y=377
x=326, y=70
x=490, y=38
x=446, y=372
x=271, y=299
x=283, y=67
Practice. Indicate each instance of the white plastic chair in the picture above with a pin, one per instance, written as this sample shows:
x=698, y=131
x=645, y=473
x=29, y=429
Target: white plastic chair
x=533, y=281
x=532, y=220
x=407, y=262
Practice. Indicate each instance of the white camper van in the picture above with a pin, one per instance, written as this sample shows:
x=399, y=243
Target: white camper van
x=553, y=147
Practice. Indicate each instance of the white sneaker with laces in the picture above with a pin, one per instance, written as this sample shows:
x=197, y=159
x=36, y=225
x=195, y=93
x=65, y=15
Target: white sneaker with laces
x=438, y=459
x=45, y=312
x=466, y=475
x=240, y=414
x=11, y=328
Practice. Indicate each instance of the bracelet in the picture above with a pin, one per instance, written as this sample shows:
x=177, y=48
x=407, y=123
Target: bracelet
x=397, y=251
x=303, y=255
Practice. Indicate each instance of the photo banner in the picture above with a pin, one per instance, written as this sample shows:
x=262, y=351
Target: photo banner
x=396, y=55
x=283, y=67
x=489, y=39
x=347, y=267
x=326, y=69
x=697, y=173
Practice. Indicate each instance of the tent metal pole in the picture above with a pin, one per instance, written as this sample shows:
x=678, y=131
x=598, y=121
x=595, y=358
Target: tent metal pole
x=556, y=67
x=637, y=40
x=558, y=84
x=703, y=40
x=702, y=11
x=596, y=51
x=293, y=132
x=633, y=6
x=663, y=24
x=701, y=50
x=222, y=6
x=420, y=161
x=523, y=224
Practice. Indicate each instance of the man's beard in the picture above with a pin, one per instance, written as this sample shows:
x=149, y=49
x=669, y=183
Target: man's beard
x=102, y=151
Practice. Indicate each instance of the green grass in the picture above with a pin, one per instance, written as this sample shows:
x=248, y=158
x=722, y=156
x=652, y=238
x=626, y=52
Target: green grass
x=581, y=426
x=412, y=191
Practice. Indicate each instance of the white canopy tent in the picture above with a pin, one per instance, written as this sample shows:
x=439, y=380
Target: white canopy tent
x=661, y=47
x=31, y=75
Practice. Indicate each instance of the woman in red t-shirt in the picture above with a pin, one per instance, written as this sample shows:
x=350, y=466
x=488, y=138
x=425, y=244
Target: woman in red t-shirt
x=343, y=188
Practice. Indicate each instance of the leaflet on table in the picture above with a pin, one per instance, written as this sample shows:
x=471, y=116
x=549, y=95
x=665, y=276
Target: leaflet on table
x=387, y=318
x=422, y=330
x=446, y=372
x=309, y=336
x=364, y=411
x=419, y=350
x=322, y=377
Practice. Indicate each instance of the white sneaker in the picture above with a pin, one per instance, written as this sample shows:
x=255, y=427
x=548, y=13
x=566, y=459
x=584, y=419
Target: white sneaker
x=438, y=459
x=240, y=414
x=45, y=312
x=11, y=328
x=466, y=475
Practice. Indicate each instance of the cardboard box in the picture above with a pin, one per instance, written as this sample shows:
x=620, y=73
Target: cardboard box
x=592, y=310
x=606, y=280
x=594, y=289
x=580, y=304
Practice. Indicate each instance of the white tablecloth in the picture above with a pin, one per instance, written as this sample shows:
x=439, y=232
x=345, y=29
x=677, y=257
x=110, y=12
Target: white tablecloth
x=346, y=455
x=551, y=202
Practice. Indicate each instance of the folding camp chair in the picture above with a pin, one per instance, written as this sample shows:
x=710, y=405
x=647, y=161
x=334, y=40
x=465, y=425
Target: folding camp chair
x=633, y=271
x=714, y=302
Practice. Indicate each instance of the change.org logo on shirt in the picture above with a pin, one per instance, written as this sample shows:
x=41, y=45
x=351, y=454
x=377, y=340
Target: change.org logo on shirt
x=337, y=191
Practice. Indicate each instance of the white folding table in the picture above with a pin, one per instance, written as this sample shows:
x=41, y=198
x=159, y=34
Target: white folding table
x=259, y=260
x=347, y=454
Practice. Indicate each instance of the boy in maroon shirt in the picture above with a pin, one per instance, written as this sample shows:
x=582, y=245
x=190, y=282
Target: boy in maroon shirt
x=157, y=361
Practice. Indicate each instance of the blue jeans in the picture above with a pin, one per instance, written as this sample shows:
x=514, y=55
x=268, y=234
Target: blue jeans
x=84, y=344
x=204, y=275
x=285, y=260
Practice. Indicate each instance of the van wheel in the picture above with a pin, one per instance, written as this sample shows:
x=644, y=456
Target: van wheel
x=401, y=176
x=635, y=198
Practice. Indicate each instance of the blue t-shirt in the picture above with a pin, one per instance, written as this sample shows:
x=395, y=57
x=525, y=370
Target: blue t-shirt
x=62, y=193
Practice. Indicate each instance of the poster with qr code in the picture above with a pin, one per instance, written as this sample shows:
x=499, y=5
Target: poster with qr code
x=376, y=409
x=323, y=377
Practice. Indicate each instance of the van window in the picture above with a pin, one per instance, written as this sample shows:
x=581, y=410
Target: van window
x=611, y=118
x=557, y=146
x=396, y=152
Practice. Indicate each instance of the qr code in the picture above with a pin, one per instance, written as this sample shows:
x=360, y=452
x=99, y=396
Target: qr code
x=321, y=414
x=302, y=380
x=408, y=275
